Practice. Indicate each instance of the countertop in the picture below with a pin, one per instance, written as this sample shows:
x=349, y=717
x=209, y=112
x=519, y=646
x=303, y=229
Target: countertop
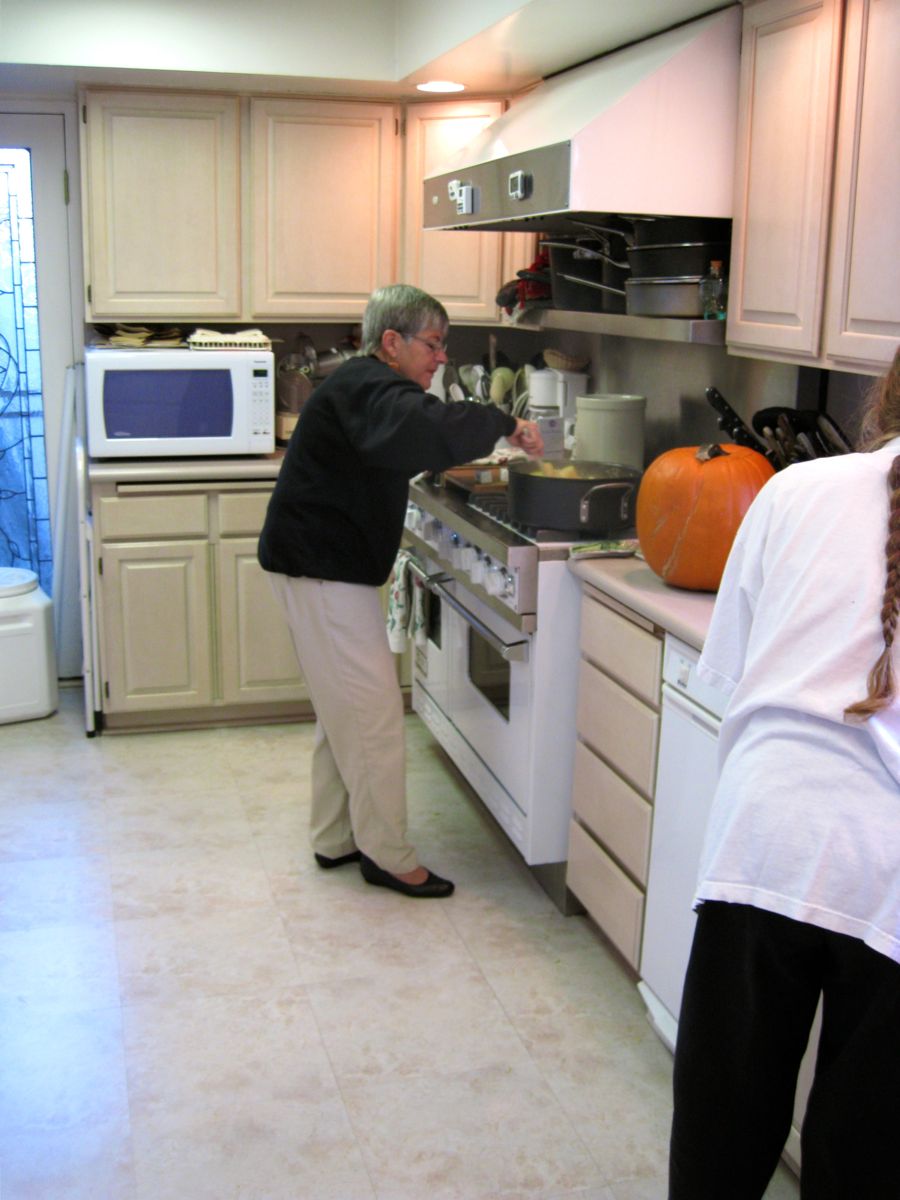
x=631, y=582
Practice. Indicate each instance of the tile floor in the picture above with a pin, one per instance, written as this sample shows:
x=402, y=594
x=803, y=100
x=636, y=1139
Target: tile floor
x=190, y=1009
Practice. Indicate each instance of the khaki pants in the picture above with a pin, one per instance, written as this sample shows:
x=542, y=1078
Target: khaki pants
x=359, y=758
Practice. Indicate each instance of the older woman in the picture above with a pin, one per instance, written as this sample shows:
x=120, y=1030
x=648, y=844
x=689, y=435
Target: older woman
x=330, y=538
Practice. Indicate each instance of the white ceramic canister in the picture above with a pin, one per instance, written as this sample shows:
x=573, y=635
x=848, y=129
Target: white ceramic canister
x=609, y=427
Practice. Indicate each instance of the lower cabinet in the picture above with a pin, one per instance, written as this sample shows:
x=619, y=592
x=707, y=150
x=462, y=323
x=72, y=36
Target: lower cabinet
x=615, y=768
x=188, y=626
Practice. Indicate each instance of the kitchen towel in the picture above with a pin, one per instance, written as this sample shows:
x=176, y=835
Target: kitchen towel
x=406, y=606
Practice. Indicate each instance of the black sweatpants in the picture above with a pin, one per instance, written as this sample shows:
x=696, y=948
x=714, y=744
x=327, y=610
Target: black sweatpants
x=751, y=991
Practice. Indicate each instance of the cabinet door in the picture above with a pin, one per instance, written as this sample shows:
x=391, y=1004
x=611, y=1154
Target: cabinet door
x=461, y=270
x=789, y=75
x=323, y=208
x=162, y=205
x=862, y=323
x=155, y=629
x=256, y=654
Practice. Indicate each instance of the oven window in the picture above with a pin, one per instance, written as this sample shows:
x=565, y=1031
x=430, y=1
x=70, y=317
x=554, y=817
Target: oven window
x=433, y=618
x=489, y=672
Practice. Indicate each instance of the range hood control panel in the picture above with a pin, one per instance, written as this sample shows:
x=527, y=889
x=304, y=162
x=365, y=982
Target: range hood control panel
x=498, y=191
x=462, y=197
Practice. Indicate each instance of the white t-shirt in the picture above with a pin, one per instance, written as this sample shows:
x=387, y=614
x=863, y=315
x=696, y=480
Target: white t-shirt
x=806, y=819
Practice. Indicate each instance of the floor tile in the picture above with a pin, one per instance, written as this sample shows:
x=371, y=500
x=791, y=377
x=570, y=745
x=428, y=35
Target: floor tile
x=496, y=1133
x=71, y=966
x=54, y=891
x=88, y=1163
x=235, y=1096
x=240, y=952
x=61, y=1070
x=202, y=880
x=398, y=1022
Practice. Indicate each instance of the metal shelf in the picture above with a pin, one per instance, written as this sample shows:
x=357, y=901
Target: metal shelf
x=657, y=329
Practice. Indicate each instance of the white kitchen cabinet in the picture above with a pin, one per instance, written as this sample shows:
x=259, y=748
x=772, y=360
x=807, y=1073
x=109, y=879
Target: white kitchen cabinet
x=323, y=206
x=257, y=661
x=817, y=188
x=615, y=768
x=161, y=176
x=862, y=317
x=462, y=270
x=189, y=629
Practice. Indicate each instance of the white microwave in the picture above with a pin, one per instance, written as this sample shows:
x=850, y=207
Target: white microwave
x=179, y=403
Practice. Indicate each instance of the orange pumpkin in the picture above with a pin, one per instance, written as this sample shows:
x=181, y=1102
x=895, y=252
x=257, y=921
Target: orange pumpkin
x=690, y=504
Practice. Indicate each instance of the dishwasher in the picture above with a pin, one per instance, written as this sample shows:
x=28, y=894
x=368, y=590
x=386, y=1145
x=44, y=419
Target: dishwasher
x=686, y=776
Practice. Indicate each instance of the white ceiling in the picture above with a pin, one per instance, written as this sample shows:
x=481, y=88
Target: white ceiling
x=515, y=43
x=547, y=36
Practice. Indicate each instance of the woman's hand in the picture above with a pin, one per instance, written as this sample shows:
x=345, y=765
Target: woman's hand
x=527, y=437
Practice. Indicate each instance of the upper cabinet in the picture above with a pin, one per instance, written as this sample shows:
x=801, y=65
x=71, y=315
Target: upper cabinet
x=323, y=213
x=817, y=190
x=862, y=313
x=162, y=213
x=463, y=269
x=301, y=218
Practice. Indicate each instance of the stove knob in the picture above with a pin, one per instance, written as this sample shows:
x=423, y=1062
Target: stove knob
x=495, y=581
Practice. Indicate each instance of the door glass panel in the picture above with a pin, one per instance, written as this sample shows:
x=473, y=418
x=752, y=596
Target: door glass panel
x=489, y=672
x=25, y=539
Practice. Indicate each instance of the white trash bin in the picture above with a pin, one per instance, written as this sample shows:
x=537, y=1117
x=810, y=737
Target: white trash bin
x=28, y=684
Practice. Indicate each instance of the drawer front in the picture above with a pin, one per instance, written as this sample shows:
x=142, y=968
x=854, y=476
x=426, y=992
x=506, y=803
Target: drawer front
x=614, y=812
x=618, y=726
x=241, y=514
x=624, y=650
x=154, y=517
x=607, y=893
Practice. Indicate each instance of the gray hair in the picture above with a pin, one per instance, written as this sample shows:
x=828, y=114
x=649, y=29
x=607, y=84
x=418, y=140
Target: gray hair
x=404, y=308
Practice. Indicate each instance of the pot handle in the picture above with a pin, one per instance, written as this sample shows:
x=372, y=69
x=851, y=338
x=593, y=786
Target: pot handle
x=599, y=287
x=627, y=490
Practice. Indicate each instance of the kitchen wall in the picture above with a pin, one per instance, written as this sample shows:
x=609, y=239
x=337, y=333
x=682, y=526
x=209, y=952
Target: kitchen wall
x=672, y=375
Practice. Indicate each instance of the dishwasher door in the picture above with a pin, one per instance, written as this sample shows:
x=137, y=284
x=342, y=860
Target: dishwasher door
x=685, y=783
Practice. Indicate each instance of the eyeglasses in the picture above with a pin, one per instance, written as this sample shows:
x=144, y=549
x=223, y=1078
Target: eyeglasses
x=434, y=347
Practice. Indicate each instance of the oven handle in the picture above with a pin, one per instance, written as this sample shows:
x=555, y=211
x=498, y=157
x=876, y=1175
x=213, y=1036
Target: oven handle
x=510, y=651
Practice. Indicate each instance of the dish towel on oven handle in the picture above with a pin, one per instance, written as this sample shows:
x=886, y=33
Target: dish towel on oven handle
x=406, y=606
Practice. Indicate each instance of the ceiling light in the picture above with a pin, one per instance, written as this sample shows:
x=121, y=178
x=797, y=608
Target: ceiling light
x=441, y=85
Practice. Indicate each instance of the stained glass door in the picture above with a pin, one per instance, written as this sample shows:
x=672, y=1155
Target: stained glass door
x=38, y=228
x=24, y=498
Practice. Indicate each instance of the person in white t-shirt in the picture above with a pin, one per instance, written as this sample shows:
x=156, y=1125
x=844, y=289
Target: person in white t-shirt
x=798, y=898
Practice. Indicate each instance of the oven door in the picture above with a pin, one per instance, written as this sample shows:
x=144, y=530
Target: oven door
x=489, y=686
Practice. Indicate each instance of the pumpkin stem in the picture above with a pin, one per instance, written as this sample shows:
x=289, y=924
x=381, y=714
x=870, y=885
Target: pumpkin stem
x=714, y=450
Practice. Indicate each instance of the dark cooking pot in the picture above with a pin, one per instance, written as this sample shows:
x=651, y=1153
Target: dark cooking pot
x=675, y=258
x=652, y=231
x=573, y=497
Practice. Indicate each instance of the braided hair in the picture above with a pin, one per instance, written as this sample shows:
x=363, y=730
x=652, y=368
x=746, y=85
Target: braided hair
x=880, y=424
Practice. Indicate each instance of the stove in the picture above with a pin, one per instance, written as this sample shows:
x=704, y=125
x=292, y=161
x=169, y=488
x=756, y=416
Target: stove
x=495, y=677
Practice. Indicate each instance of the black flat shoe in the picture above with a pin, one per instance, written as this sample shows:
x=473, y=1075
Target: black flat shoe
x=433, y=888
x=328, y=863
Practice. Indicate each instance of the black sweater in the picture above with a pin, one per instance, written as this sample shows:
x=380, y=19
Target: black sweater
x=339, y=504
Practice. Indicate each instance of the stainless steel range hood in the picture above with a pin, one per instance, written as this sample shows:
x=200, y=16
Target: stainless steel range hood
x=649, y=129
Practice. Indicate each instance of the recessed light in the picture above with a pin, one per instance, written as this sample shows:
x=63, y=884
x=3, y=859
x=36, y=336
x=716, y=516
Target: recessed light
x=441, y=85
